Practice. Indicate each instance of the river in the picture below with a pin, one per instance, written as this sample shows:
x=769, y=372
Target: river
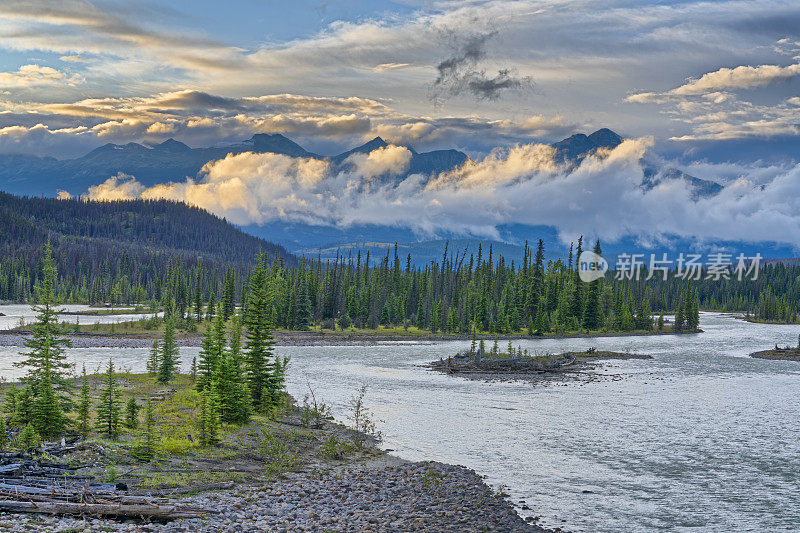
x=699, y=438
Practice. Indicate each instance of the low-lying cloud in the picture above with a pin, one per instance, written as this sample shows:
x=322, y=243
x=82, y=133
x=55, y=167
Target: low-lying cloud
x=525, y=184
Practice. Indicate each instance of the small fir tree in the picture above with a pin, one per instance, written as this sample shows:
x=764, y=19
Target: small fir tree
x=132, y=414
x=84, y=406
x=108, y=408
x=168, y=357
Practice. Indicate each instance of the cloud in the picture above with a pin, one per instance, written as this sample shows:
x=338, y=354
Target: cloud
x=389, y=160
x=522, y=185
x=35, y=75
x=202, y=119
x=76, y=59
x=460, y=74
x=724, y=79
x=742, y=77
x=119, y=187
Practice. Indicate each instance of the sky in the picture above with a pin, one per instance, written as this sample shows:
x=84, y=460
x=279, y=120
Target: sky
x=435, y=74
x=497, y=79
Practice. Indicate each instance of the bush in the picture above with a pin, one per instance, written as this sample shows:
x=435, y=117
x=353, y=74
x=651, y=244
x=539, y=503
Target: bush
x=28, y=439
x=333, y=448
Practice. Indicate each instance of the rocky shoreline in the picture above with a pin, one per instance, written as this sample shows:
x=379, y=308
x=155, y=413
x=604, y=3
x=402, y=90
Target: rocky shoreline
x=281, y=474
x=400, y=497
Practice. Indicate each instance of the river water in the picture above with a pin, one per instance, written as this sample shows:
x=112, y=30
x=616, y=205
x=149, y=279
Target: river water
x=699, y=438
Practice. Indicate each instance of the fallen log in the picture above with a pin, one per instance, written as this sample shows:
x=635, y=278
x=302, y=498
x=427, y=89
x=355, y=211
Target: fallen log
x=166, y=512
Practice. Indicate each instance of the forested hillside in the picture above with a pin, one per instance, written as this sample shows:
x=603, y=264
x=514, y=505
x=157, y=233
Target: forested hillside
x=126, y=243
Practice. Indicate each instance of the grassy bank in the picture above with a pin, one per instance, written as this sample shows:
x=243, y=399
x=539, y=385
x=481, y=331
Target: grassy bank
x=290, y=437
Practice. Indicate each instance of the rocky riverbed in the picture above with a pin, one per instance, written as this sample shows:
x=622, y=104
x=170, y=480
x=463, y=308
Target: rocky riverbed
x=396, y=497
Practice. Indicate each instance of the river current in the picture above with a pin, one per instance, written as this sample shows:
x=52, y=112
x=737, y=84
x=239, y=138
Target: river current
x=699, y=438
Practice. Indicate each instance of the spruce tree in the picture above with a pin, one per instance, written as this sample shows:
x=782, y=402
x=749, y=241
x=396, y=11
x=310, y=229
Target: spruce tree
x=592, y=318
x=153, y=362
x=108, y=408
x=258, y=344
x=542, y=320
x=694, y=314
x=680, y=317
x=229, y=294
x=578, y=289
x=211, y=351
x=3, y=433
x=302, y=308
x=46, y=381
x=132, y=414
x=198, y=292
x=168, y=357
x=147, y=447
x=84, y=406
x=209, y=421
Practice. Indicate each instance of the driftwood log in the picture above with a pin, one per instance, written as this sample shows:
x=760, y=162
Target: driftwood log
x=159, y=512
x=30, y=485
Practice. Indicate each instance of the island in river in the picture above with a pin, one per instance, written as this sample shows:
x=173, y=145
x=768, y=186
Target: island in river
x=778, y=354
x=518, y=365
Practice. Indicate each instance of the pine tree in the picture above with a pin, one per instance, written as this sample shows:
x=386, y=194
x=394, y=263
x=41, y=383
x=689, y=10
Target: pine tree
x=145, y=448
x=132, y=414
x=153, y=362
x=542, y=320
x=693, y=319
x=211, y=308
x=3, y=433
x=84, y=406
x=592, y=318
x=229, y=294
x=198, y=292
x=108, y=409
x=578, y=288
x=209, y=418
x=680, y=317
x=232, y=391
x=28, y=438
x=302, y=307
x=168, y=358
x=211, y=351
x=258, y=344
x=46, y=380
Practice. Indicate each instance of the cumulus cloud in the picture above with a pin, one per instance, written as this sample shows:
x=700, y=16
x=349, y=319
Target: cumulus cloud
x=391, y=160
x=724, y=79
x=119, y=187
x=35, y=75
x=522, y=185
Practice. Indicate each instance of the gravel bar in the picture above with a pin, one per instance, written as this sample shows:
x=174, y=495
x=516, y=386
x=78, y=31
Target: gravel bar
x=422, y=496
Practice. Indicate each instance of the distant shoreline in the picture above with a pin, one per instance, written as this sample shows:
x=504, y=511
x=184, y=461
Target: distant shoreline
x=305, y=338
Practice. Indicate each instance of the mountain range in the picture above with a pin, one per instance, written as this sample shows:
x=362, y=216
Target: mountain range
x=173, y=160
